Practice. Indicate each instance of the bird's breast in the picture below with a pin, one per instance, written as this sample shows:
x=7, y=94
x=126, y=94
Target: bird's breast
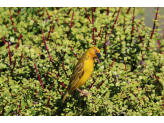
x=88, y=66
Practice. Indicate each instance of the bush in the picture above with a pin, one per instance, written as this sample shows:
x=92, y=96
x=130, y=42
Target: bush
x=41, y=46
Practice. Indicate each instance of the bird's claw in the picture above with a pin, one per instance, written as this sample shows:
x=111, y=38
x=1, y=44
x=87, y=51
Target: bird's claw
x=86, y=94
x=83, y=92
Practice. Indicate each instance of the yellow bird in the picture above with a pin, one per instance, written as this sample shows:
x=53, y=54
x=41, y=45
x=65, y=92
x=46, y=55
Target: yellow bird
x=83, y=70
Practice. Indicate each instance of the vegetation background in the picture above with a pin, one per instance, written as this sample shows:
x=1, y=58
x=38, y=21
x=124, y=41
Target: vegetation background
x=39, y=48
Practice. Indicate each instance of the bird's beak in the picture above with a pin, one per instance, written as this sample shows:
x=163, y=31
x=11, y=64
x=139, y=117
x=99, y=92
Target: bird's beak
x=98, y=54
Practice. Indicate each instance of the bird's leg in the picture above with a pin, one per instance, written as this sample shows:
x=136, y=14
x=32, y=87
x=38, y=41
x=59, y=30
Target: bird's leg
x=83, y=92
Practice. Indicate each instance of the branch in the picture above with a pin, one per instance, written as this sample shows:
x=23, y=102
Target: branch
x=153, y=28
x=9, y=54
x=39, y=76
x=107, y=12
x=12, y=20
x=18, y=41
x=70, y=25
x=4, y=40
x=46, y=47
x=115, y=20
x=88, y=15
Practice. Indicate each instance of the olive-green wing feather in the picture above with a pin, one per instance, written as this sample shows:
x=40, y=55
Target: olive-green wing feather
x=77, y=74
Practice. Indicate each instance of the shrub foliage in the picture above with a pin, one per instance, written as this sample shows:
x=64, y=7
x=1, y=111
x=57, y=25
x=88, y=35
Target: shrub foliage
x=39, y=48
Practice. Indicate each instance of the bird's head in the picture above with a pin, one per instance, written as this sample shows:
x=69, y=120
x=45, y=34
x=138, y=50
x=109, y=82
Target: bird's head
x=94, y=52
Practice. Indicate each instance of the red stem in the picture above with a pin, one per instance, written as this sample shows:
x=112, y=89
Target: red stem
x=46, y=47
x=18, y=41
x=100, y=32
x=158, y=41
x=52, y=29
x=49, y=73
x=88, y=15
x=151, y=74
x=154, y=24
x=133, y=23
x=132, y=28
x=62, y=84
x=19, y=11
x=122, y=93
x=105, y=42
x=51, y=86
x=48, y=15
x=64, y=70
x=49, y=34
x=128, y=10
x=113, y=14
x=112, y=62
x=34, y=20
x=140, y=36
x=93, y=24
x=54, y=26
x=21, y=60
x=93, y=82
x=69, y=33
x=94, y=9
x=39, y=76
x=70, y=24
x=107, y=11
x=74, y=53
x=125, y=66
x=102, y=82
x=156, y=76
x=6, y=25
x=115, y=20
x=12, y=20
x=69, y=11
x=20, y=107
x=92, y=16
x=9, y=54
x=159, y=45
x=71, y=20
x=153, y=28
x=59, y=91
x=57, y=78
x=48, y=102
x=4, y=40
x=13, y=66
x=3, y=108
x=124, y=19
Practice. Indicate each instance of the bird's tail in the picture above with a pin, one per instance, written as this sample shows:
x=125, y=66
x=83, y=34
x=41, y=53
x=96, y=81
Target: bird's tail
x=65, y=96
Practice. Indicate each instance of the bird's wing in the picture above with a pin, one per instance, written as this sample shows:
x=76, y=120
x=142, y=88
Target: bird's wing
x=77, y=74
